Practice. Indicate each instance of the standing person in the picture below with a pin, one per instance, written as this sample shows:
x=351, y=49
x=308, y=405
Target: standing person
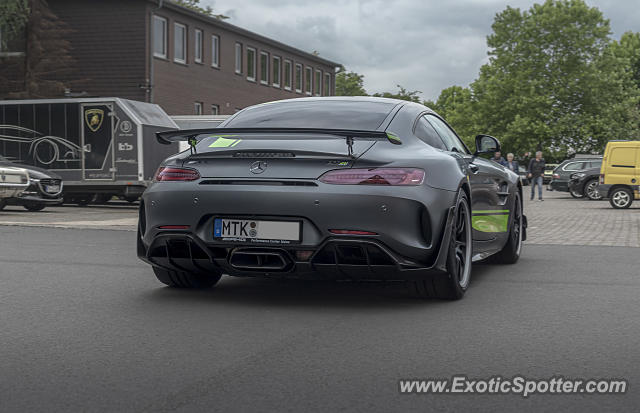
x=497, y=158
x=536, y=172
x=511, y=164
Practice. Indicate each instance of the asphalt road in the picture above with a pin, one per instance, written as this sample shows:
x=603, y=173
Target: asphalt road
x=86, y=327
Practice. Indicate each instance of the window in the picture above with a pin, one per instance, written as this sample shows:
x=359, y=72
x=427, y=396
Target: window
x=180, y=43
x=264, y=68
x=308, y=80
x=251, y=64
x=12, y=45
x=425, y=132
x=197, y=54
x=159, y=37
x=314, y=113
x=298, y=78
x=449, y=137
x=327, y=84
x=238, y=57
x=215, y=109
x=215, y=53
x=318, y=82
x=197, y=108
x=574, y=166
x=287, y=75
x=276, y=71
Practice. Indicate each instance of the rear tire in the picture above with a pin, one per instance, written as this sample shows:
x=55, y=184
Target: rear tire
x=575, y=194
x=510, y=253
x=182, y=279
x=34, y=207
x=621, y=198
x=591, y=190
x=454, y=284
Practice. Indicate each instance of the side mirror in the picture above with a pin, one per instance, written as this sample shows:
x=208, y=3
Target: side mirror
x=486, y=144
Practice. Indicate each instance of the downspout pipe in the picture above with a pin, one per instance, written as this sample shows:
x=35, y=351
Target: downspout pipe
x=151, y=45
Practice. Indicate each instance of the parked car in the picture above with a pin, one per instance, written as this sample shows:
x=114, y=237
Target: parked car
x=13, y=181
x=345, y=188
x=585, y=184
x=45, y=188
x=548, y=172
x=562, y=173
x=620, y=173
x=523, y=173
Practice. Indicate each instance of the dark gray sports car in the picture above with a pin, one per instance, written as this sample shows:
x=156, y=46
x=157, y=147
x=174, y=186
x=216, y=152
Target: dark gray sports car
x=334, y=188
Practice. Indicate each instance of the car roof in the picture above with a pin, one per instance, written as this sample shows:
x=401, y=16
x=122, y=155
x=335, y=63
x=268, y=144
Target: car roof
x=345, y=112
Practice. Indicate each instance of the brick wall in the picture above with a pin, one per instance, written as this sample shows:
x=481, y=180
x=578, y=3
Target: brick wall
x=178, y=86
x=109, y=44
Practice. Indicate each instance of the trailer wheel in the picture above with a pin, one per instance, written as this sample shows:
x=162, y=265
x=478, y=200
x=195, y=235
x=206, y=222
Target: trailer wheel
x=83, y=199
x=131, y=198
x=103, y=198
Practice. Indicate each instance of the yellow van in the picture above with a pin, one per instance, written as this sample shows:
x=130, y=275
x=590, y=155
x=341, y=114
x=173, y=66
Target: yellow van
x=620, y=173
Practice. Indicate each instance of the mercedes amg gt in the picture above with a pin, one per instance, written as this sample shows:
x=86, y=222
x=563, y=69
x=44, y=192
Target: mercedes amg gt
x=341, y=188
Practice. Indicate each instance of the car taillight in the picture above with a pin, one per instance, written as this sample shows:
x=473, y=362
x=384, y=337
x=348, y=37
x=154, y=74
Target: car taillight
x=374, y=176
x=556, y=176
x=602, y=179
x=167, y=173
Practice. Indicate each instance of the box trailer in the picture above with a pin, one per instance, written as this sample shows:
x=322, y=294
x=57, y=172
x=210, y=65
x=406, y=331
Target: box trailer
x=100, y=146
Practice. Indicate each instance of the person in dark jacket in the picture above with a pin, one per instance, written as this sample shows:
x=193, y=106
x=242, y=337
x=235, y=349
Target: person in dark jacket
x=536, y=172
x=511, y=164
x=497, y=158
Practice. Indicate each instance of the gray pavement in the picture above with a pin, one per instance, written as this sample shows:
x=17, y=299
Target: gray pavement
x=86, y=327
x=562, y=220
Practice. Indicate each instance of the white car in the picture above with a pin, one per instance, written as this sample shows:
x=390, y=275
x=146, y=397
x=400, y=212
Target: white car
x=12, y=181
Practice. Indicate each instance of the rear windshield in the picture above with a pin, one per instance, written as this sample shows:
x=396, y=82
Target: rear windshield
x=327, y=114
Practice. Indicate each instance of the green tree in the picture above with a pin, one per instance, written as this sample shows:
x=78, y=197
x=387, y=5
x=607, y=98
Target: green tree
x=195, y=5
x=553, y=83
x=402, y=94
x=349, y=83
x=45, y=64
x=455, y=104
x=13, y=18
x=629, y=48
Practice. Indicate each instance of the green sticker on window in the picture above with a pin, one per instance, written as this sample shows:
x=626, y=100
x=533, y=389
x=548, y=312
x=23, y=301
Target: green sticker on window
x=223, y=142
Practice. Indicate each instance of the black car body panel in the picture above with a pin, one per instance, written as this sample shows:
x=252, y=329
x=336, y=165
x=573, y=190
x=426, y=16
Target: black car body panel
x=562, y=173
x=406, y=226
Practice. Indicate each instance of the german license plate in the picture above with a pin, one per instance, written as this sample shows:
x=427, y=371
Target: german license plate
x=256, y=231
x=52, y=189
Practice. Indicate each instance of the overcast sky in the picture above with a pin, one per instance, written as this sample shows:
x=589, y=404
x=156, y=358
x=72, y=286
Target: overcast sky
x=424, y=45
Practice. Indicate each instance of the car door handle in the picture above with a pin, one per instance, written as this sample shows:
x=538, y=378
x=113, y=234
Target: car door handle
x=473, y=168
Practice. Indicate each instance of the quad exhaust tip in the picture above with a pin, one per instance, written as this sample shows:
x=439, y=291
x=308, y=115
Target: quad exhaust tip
x=258, y=259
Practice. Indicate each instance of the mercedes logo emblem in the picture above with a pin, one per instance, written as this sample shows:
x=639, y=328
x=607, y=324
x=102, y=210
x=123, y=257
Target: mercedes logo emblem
x=258, y=167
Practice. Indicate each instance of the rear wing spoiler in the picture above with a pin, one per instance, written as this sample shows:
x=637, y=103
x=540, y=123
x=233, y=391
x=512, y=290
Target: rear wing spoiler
x=194, y=135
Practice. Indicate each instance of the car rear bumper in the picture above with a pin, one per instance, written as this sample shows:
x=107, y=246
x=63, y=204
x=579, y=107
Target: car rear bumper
x=410, y=225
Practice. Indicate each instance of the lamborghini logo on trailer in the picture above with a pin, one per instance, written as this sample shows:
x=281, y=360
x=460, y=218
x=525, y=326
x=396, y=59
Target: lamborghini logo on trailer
x=94, y=118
